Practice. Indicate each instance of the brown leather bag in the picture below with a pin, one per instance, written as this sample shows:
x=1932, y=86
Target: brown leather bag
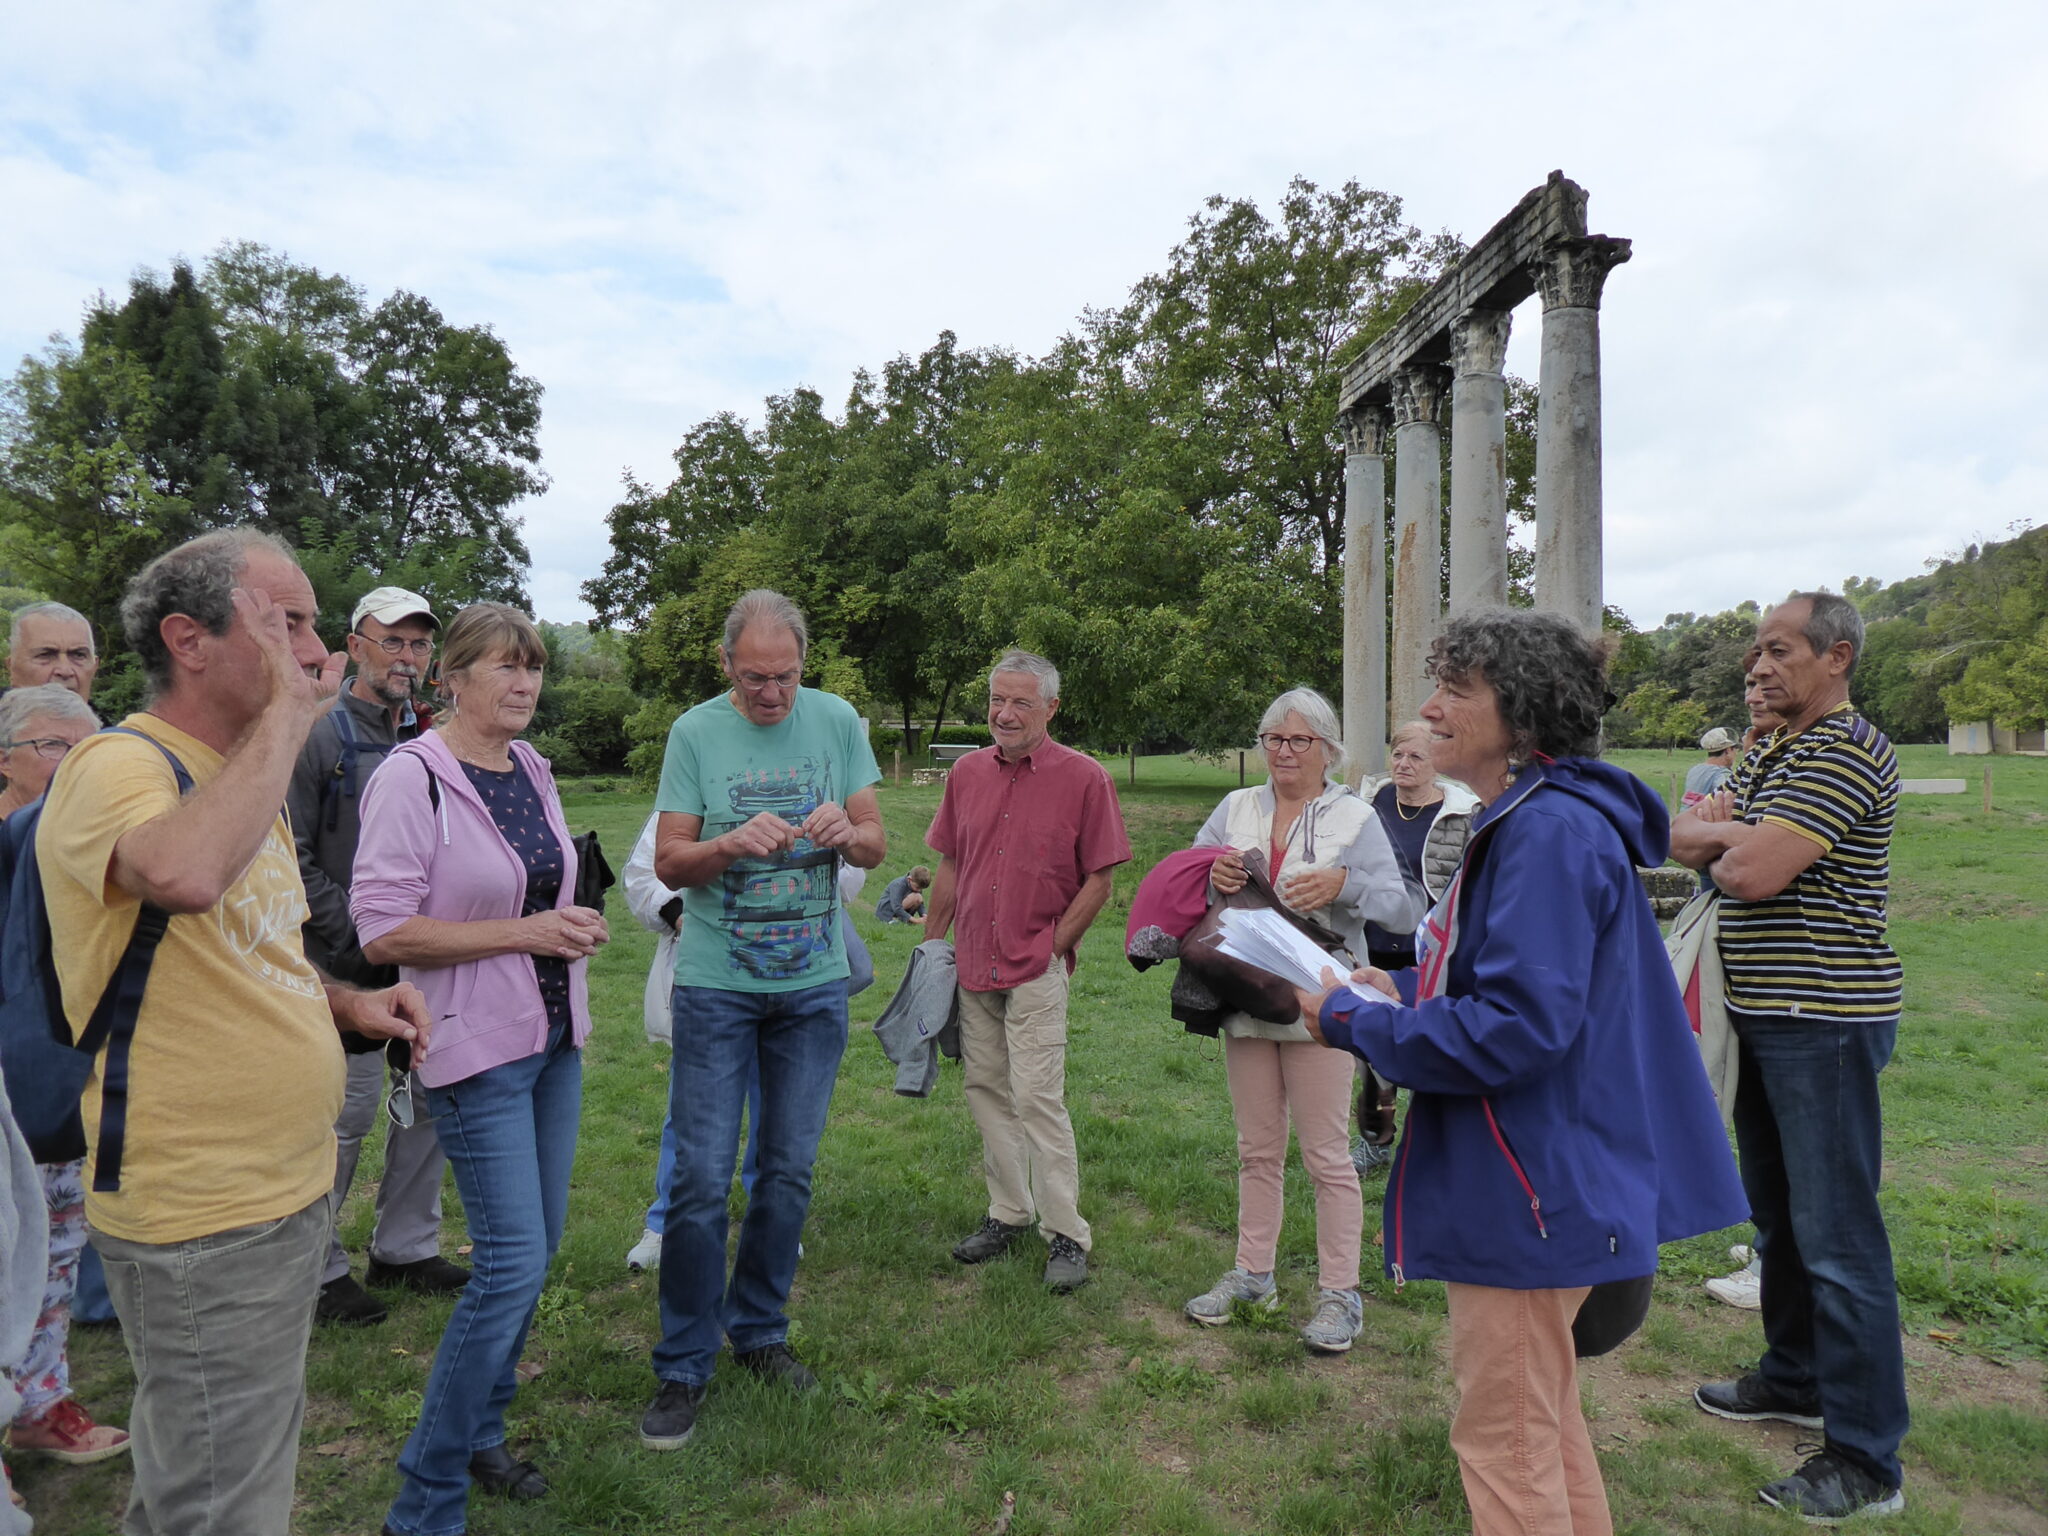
x=1244, y=988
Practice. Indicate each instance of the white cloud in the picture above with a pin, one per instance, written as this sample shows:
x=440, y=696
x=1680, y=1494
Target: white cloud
x=1825, y=357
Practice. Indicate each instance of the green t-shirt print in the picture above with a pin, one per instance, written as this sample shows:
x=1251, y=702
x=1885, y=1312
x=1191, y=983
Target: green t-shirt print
x=765, y=925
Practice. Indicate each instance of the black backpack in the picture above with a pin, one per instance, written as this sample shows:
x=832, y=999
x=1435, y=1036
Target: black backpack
x=46, y=1071
x=345, y=781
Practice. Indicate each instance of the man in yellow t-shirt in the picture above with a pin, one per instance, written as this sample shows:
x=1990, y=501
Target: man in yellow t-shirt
x=214, y=1239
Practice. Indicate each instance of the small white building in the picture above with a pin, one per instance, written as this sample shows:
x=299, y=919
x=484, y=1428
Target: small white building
x=1980, y=738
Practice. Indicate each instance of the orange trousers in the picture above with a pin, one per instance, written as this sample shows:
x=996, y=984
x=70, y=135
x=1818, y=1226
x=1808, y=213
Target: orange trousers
x=1523, y=1450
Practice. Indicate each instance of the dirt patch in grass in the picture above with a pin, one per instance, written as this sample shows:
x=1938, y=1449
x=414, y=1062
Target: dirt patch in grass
x=1984, y=1515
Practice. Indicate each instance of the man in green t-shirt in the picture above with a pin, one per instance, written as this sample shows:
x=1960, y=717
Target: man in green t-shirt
x=764, y=790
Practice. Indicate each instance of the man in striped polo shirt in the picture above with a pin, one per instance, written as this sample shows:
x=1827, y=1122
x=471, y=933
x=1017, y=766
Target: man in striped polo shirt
x=1799, y=842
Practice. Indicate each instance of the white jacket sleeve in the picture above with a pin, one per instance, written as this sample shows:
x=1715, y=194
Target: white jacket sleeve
x=645, y=895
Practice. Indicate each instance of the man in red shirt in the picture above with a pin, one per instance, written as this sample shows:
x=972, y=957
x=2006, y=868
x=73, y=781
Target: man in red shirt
x=1028, y=832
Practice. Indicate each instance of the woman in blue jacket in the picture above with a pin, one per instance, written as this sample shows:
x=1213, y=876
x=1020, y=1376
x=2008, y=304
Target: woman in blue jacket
x=1562, y=1126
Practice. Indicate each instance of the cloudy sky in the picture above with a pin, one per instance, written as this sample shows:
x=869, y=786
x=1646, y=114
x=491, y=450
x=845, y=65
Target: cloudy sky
x=1828, y=357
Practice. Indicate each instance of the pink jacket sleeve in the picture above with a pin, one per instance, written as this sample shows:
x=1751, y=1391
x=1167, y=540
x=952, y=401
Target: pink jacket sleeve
x=400, y=830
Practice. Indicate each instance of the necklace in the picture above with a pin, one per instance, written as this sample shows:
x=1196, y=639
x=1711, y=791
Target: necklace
x=1403, y=810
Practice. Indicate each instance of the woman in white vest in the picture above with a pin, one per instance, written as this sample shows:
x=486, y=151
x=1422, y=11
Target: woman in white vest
x=1330, y=860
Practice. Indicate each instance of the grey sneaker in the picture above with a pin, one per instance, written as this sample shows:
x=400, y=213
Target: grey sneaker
x=990, y=1240
x=1828, y=1489
x=1369, y=1156
x=774, y=1363
x=670, y=1418
x=1338, y=1317
x=1066, y=1264
x=1212, y=1307
x=1750, y=1398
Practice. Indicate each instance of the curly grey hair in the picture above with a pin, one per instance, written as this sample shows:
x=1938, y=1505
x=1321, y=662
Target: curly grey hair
x=763, y=606
x=1321, y=716
x=196, y=579
x=1549, y=679
x=45, y=701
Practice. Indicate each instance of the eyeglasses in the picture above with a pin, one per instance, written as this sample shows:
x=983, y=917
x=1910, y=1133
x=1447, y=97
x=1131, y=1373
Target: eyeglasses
x=391, y=645
x=1273, y=742
x=755, y=682
x=52, y=747
x=398, y=1102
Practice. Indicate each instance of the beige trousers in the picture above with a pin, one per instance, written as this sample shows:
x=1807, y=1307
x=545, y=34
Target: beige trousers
x=1272, y=1082
x=1013, y=1058
x=1522, y=1445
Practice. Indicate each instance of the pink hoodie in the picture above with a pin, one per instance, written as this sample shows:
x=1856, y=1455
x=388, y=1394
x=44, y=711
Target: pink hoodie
x=451, y=863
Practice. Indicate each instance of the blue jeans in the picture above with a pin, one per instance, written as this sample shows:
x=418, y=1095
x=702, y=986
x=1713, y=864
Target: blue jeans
x=1810, y=1133
x=510, y=1136
x=665, y=1165
x=795, y=1040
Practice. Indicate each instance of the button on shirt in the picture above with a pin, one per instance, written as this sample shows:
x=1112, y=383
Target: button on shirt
x=1023, y=837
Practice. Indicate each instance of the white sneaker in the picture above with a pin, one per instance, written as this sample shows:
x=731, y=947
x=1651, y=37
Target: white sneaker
x=1742, y=1253
x=645, y=1254
x=1744, y=1288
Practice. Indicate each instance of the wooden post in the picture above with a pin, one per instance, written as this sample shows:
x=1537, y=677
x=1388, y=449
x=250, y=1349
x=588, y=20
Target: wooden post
x=1134, y=764
x=896, y=772
x=1987, y=789
x=1240, y=770
x=1674, y=789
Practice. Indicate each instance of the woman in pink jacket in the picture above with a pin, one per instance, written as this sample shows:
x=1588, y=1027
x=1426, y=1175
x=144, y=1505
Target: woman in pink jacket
x=464, y=879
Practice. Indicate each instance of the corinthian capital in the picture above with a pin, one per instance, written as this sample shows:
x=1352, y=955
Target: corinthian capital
x=1570, y=273
x=1365, y=430
x=1479, y=341
x=1419, y=393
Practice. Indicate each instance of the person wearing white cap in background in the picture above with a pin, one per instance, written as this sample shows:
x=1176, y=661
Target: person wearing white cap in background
x=1702, y=779
x=391, y=643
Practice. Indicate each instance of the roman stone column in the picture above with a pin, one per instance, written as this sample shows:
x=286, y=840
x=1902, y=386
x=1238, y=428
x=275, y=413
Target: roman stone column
x=1418, y=392
x=1479, y=460
x=1365, y=590
x=1570, y=275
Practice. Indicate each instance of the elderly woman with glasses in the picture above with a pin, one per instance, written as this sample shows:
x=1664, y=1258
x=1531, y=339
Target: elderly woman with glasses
x=38, y=726
x=1561, y=1125
x=465, y=879
x=1329, y=859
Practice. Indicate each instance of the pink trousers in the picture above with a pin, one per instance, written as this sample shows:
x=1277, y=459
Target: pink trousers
x=1523, y=1450
x=1271, y=1083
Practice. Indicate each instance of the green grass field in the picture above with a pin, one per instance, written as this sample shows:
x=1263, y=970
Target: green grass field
x=1106, y=1411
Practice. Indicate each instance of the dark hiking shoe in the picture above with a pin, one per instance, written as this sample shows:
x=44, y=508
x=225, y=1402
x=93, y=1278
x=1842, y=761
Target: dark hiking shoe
x=990, y=1240
x=667, y=1423
x=1828, y=1489
x=1066, y=1265
x=343, y=1301
x=1752, y=1398
x=495, y=1471
x=431, y=1276
x=774, y=1363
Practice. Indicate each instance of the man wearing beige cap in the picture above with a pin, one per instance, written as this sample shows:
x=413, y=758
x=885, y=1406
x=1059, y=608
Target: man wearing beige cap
x=391, y=642
x=1702, y=779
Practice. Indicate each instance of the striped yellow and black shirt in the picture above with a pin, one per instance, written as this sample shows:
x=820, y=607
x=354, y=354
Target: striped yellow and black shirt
x=1818, y=946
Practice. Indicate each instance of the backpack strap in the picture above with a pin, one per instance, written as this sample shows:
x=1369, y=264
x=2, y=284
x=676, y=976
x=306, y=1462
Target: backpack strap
x=120, y=1006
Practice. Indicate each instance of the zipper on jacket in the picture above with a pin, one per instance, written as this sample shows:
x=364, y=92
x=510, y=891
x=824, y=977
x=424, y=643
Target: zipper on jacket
x=1535, y=1205
x=1400, y=1199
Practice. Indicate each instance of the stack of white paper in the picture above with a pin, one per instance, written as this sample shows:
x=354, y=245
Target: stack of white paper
x=1263, y=938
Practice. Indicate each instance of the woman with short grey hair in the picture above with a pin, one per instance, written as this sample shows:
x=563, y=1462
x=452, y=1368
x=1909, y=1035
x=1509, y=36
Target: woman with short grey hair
x=38, y=727
x=1329, y=859
x=1559, y=1127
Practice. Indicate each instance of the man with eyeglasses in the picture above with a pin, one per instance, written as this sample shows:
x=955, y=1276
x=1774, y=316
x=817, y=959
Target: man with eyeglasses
x=765, y=789
x=391, y=642
x=50, y=643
